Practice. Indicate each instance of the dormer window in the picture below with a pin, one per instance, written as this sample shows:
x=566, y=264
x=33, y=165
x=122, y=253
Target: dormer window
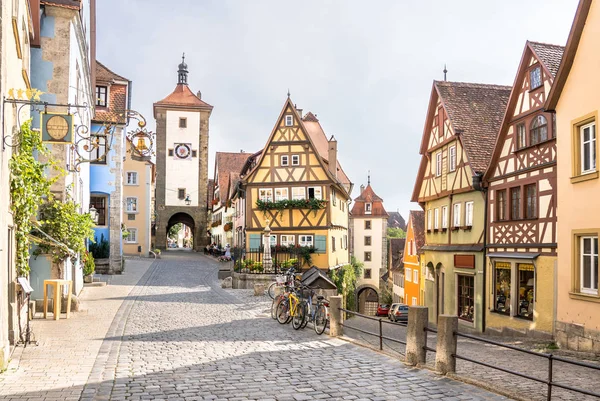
x=535, y=77
x=368, y=208
x=289, y=120
x=101, y=96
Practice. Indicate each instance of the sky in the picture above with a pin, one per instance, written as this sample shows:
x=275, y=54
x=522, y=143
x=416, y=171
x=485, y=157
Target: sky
x=364, y=67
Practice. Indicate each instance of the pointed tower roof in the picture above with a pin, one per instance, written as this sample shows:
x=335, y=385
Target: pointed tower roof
x=182, y=97
x=368, y=196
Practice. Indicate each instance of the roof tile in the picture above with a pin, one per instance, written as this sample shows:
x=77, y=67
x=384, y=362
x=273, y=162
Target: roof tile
x=550, y=55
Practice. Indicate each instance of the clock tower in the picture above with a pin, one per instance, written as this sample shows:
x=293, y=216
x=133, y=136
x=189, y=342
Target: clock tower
x=181, y=161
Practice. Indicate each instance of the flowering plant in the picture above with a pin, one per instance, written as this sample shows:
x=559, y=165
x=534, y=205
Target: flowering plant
x=224, y=259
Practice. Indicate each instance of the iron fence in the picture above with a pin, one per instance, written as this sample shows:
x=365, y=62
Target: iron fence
x=252, y=260
x=380, y=334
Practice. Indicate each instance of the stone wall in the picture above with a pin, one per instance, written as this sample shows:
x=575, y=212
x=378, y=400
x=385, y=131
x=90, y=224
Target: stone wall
x=576, y=337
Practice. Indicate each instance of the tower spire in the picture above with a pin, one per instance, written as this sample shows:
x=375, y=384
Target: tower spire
x=369, y=178
x=445, y=72
x=182, y=72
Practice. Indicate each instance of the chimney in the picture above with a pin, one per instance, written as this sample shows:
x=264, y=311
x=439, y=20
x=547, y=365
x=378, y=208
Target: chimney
x=199, y=94
x=362, y=189
x=299, y=112
x=332, y=156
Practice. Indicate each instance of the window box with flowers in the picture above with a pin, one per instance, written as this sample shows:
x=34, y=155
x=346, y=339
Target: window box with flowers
x=312, y=204
x=215, y=202
x=216, y=223
x=228, y=227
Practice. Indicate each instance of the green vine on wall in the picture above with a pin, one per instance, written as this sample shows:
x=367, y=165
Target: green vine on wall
x=345, y=279
x=28, y=187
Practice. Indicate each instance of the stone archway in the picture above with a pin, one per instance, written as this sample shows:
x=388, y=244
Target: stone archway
x=193, y=217
x=367, y=299
x=184, y=219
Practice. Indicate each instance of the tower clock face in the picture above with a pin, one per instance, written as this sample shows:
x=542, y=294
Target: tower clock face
x=182, y=150
x=57, y=127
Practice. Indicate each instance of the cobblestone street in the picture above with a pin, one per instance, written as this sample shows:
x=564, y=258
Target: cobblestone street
x=178, y=335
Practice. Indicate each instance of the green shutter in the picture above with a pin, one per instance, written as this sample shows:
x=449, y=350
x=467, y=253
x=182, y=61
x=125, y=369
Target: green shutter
x=321, y=243
x=254, y=242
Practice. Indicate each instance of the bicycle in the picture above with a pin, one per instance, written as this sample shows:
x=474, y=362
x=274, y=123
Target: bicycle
x=318, y=314
x=290, y=283
x=293, y=309
x=280, y=281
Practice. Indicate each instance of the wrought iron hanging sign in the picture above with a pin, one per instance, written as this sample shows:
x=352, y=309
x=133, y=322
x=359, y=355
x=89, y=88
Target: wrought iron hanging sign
x=57, y=128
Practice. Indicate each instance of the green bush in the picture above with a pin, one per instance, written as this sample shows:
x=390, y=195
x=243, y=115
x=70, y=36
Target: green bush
x=100, y=250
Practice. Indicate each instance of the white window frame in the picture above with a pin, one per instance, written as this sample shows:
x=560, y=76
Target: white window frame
x=592, y=143
x=135, y=233
x=415, y=276
x=414, y=301
x=285, y=160
x=456, y=217
x=368, y=208
x=438, y=164
x=444, y=216
x=592, y=255
x=287, y=240
x=133, y=174
x=267, y=196
x=295, y=160
x=452, y=158
x=333, y=197
x=306, y=240
x=298, y=193
x=469, y=214
x=289, y=120
x=318, y=190
x=429, y=220
x=408, y=275
x=436, y=218
x=281, y=194
x=127, y=204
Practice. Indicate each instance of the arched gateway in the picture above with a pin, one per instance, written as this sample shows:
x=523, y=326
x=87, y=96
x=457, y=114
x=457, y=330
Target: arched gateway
x=181, y=162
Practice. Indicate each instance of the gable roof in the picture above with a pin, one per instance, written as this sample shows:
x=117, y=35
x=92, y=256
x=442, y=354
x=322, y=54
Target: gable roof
x=226, y=164
x=368, y=196
x=581, y=15
x=316, y=136
x=549, y=56
x=418, y=224
x=396, y=221
x=476, y=112
x=104, y=74
x=72, y=4
x=397, y=251
x=183, y=97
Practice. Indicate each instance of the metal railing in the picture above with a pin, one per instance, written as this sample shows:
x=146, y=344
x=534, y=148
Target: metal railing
x=251, y=261
x=380, y=334
x=549, y=382
x=429, y=330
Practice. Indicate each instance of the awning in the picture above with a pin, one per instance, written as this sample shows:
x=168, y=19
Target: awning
x=514, y=255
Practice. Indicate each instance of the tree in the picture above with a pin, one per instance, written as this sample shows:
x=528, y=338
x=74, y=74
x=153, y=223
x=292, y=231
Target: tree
x=395, y=233
x=174, y=231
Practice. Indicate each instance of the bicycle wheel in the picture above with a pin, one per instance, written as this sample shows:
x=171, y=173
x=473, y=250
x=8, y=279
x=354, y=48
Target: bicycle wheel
x=299, y=316
x=307, y=315
x=274, y=305
x=282, y=312
x=271, y=290
x=320, y=322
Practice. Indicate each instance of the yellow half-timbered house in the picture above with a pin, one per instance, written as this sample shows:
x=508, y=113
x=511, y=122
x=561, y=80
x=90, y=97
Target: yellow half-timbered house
x=460, y=132
x=299, y=187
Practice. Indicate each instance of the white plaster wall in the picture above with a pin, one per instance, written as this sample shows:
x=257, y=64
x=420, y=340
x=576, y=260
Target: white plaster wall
x=182, y=173
x=376, y=247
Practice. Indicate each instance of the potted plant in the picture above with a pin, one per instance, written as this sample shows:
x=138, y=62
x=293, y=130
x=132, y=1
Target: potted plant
x=157, y=252
x=89, y=266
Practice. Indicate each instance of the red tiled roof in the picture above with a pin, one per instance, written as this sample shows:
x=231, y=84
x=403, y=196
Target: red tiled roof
x=550, y=55
x=476, y=112
x=183, y=96
x=310, y=117
x=103, y=74
x=368, y=196
x=418, y=224
x=225, y=164
x=396, y=221
x=397, y=250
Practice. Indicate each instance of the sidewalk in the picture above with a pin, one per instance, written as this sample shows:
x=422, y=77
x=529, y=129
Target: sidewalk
x=61, y=364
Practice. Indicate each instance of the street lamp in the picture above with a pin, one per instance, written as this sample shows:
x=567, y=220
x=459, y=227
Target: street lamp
x=94, y=214
x=188, y=201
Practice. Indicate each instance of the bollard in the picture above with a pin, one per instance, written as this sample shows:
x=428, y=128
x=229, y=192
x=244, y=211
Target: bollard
x=416, y=336
x=335, y=316
x=446, y=344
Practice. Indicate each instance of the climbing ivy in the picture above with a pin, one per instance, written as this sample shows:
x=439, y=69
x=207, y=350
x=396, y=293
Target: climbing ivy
x=345, y=279
x=29, y=185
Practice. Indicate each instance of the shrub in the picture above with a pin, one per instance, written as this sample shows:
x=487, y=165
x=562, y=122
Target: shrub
x=100, y=250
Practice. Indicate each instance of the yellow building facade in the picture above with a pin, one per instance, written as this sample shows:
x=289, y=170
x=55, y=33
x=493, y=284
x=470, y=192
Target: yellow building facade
x=138, y=190
x=299, y=187
x=574, y=98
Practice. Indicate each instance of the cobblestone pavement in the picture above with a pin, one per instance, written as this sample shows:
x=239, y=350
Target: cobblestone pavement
x=530, y=365
x=177, y=335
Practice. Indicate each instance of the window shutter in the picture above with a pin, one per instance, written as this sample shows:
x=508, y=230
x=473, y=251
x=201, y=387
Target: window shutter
x=320, y=243
x=255, y=241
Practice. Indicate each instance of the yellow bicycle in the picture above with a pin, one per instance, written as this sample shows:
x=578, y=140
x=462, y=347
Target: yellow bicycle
x=291, y=309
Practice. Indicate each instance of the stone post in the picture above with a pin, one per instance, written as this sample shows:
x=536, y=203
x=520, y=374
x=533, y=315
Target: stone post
x=267, y=261
x=335, y=316
x=416, y=336
x=446, y=344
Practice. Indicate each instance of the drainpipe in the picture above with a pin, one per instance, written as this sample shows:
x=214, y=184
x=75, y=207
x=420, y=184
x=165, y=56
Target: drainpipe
x=478, y=186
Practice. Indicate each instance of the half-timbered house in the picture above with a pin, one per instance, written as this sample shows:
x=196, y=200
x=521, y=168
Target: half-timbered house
x=300, y=190
x=521, y=182
x=460, y=131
